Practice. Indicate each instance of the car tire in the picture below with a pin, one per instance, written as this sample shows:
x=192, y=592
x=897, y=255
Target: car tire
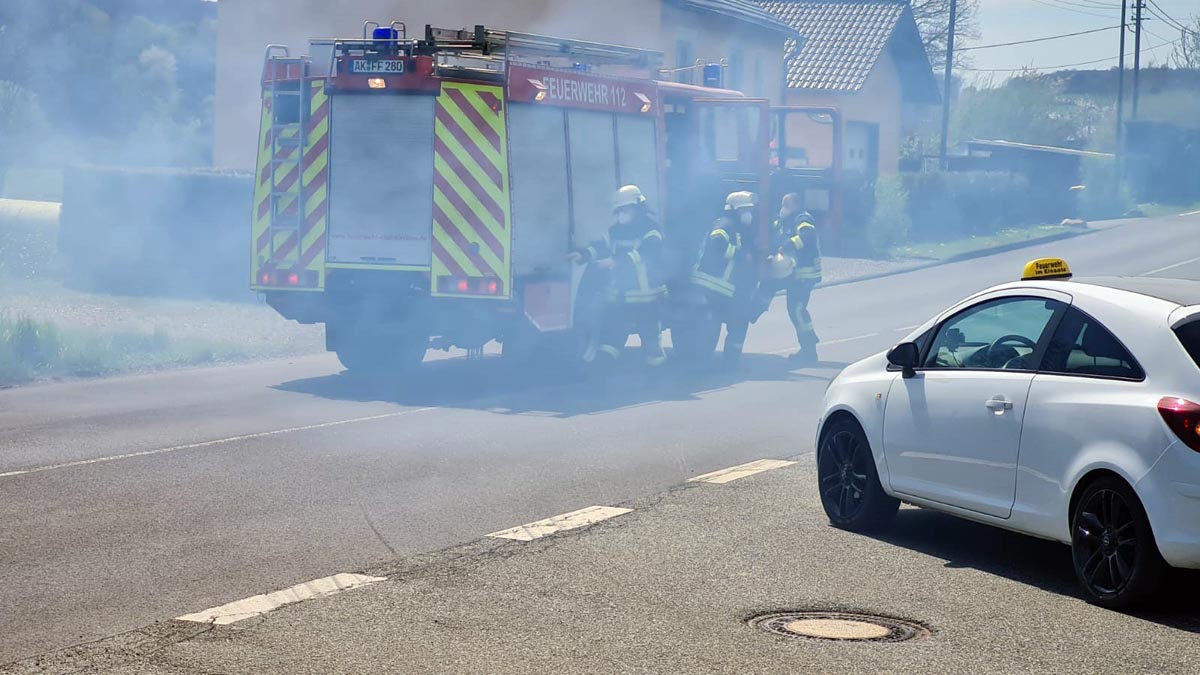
x=1113, y=550
x=848, y=482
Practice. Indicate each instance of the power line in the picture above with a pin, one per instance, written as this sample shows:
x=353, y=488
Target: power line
x=1087, y=5
x=1041, y=39
x=1066, y=65
x=1162, y=14
x=1071, y=9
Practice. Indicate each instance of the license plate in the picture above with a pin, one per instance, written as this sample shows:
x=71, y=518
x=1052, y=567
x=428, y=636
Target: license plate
x=376, y=66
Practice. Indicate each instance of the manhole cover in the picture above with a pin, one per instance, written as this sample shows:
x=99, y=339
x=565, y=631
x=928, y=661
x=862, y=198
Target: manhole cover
x=839, y=626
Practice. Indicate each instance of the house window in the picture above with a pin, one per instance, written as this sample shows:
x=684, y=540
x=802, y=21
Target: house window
x=684, y=58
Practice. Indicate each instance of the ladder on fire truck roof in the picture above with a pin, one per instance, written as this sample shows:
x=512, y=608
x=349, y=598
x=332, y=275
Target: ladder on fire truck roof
x=488, y=41
x=287, y=147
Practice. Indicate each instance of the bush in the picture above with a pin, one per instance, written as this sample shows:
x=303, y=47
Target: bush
x=1103, y=195
x=890, y=223
x=956, y=205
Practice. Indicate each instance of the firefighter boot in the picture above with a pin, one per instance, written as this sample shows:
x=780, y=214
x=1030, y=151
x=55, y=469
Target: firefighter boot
x=807, y=356
x=652, y=349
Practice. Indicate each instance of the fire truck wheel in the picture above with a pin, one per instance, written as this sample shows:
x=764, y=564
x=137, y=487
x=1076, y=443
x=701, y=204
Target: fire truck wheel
x=377, y=356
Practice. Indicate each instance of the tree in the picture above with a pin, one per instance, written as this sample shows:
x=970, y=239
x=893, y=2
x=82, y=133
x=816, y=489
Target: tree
x=1187, y=50
x=933, y=20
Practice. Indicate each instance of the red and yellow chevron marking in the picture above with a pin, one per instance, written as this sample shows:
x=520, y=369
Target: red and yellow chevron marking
x=472, y=235
x=284, y=251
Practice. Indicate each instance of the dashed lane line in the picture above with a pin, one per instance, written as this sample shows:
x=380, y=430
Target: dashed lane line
x=741, y=471
x=258, y=605
x=567, y=521
x=209, y=444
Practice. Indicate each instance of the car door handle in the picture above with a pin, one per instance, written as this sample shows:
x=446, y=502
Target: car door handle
x=999, y=404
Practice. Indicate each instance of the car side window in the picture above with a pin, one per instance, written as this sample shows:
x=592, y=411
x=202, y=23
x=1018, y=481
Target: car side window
x=997, y=334
x=1082, y=346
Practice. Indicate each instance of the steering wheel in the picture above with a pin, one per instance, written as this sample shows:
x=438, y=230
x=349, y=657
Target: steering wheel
x=993, y=350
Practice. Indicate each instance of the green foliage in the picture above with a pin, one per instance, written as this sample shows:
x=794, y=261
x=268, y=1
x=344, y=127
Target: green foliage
x=30, y=349
x=890, y=223
x=107, y=82
x=1103, y=196
x=1028, y=109
x=955, y=205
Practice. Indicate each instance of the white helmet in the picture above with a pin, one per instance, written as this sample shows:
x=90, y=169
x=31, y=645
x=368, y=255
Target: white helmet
x=782, y=266
x=629, y=195
x=741, y=200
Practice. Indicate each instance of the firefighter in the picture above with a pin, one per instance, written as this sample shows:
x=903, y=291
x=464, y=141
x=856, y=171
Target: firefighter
x=631, y=294
x=799, y=250
x=726, y=271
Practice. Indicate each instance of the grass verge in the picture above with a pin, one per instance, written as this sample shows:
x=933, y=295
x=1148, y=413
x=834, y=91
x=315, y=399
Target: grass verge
x=31, y=349
x=951, y=249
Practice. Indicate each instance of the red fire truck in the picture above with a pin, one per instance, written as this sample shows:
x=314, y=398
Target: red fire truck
x=423, y=193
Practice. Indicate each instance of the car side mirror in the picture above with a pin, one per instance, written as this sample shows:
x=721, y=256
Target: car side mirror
x=906, y=356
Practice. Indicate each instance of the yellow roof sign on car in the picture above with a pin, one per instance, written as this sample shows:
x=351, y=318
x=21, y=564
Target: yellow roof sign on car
x=1046, y=268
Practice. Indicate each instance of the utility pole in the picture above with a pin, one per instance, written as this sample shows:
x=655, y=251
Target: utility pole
x=946, y=86
x=1137, y=52
x=1121, y=86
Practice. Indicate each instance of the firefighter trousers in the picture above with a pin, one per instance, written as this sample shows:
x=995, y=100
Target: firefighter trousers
x=735, y=313
x=799, y=291
x=619, y=319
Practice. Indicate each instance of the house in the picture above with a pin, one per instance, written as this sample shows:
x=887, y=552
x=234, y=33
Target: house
x=866, y=58
x=750, y=40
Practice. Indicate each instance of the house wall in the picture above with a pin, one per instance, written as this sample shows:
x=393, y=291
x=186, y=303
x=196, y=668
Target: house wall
x=245, y=27
x=755, y=55
x=880, y=101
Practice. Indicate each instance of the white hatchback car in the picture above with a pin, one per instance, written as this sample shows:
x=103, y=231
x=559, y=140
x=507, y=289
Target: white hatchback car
x=1064, y=409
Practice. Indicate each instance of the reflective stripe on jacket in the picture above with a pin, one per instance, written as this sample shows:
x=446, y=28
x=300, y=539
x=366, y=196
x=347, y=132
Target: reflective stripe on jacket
x=714, y=271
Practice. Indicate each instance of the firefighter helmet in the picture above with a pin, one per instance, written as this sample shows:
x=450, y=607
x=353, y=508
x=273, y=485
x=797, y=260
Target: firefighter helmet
x=741, y=200
x=782, y=266
x=629, y=195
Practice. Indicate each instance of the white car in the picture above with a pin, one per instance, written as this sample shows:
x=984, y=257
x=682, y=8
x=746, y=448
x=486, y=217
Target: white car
x=1067, y=409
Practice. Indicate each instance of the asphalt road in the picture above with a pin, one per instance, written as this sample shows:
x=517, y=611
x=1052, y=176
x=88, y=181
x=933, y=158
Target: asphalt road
x=133, y=500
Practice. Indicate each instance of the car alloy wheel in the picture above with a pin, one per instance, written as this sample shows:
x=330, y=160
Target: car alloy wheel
x=1107, y=542
x=1112, y=546
x=843, y=474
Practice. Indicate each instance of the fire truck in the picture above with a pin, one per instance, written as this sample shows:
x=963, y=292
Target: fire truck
x=424, y=193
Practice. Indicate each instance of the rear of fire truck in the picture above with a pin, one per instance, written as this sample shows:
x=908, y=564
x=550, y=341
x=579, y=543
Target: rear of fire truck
x=418, y=193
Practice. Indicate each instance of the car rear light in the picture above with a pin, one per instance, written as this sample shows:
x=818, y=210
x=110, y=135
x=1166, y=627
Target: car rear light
x=1183, y=417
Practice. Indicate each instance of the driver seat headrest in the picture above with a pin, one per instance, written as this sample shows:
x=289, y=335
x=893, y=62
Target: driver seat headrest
x=1099, y=343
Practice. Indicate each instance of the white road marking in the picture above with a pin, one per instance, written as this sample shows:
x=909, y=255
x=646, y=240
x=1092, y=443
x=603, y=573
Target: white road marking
x=1171, y=267
x=907, y=328
x=261, y=604
x=1190, y=213
x=830, y=342
x=219, y=441
x=560, y=523
x=742, y=471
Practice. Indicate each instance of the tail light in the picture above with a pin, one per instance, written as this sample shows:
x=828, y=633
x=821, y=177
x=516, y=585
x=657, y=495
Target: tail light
x=302, y=279
x=1183, y=417
x=470, y=285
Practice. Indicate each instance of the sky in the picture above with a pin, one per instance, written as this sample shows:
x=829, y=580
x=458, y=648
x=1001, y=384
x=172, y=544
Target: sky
x=1012, y=20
